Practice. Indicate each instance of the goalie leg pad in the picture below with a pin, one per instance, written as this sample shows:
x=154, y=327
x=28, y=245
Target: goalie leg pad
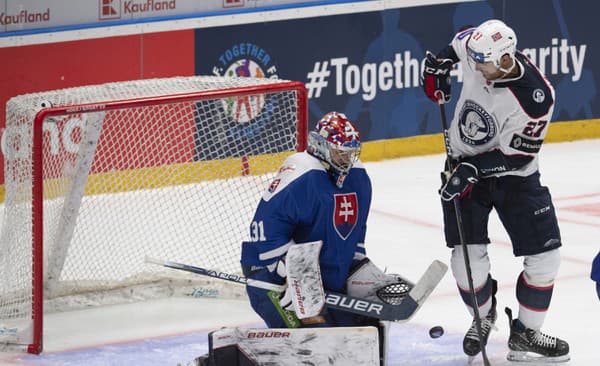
x=304, y=278
x=315, y=346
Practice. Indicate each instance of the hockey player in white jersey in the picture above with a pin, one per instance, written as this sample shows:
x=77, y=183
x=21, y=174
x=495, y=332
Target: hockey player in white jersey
x=499, y=124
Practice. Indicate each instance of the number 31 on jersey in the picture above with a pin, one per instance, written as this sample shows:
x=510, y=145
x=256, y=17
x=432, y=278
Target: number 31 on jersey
x=257, y=231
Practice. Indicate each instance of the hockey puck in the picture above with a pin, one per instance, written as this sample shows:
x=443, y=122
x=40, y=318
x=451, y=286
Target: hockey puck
x=436, y=332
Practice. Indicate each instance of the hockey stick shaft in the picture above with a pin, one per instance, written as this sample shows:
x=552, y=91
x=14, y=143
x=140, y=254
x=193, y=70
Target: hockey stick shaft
x=461, y=235
x=399, y=313
x=198, y=270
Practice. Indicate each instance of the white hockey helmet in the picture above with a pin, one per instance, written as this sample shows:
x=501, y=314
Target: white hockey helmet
x=492, y=40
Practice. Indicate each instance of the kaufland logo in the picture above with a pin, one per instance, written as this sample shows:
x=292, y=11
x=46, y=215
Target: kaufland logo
x=233, y=3
x=112, y=9
x=131, y=7
x=24, y=17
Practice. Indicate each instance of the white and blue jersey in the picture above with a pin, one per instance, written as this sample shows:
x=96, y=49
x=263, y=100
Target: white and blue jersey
x=303, y=205
x=499, y=126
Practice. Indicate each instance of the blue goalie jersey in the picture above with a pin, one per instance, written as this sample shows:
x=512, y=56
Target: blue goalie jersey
x=303, y=205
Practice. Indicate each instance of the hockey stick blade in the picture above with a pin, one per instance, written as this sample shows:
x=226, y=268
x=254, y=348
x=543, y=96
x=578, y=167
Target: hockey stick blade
x=427, y=283
x=375, y=309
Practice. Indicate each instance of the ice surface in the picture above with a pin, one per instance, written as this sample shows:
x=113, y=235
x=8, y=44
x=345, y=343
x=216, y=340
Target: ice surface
x=404, y=235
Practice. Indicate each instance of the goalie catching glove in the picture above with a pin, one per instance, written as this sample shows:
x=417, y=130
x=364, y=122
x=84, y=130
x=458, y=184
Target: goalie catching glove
x=305, y=295
x=367, y=281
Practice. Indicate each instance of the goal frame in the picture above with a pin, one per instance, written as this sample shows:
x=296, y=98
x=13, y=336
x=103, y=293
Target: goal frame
x=37, y=313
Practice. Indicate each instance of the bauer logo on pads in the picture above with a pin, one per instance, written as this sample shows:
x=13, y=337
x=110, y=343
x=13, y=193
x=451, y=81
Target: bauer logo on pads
x=345, y=214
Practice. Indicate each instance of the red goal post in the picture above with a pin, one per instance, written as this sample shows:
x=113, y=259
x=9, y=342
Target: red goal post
x=162, y=167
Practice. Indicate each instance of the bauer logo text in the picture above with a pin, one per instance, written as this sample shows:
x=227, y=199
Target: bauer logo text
x=267, y=334
x=350, y=303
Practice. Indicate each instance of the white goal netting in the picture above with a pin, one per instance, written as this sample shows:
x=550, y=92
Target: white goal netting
x=166, y=168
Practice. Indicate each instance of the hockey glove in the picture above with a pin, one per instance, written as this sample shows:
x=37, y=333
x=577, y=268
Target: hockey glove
x=460, y=182
x=436, y=78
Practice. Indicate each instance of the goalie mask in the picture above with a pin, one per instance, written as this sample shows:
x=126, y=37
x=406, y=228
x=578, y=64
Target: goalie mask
x=490, y=41
x=336, y=142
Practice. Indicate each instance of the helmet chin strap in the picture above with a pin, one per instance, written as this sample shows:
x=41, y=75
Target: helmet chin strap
x=510, y=69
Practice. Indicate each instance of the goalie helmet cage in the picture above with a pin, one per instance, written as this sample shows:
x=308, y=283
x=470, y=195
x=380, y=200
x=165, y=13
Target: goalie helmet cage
x=98, y=177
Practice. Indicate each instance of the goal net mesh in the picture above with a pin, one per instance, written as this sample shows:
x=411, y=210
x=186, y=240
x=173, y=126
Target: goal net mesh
x=159, y=176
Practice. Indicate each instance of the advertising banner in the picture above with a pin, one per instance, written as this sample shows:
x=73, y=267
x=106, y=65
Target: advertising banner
x=369, y=64
x=18, y=15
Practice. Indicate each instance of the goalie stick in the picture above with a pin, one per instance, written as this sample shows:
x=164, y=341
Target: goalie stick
x=397, y=313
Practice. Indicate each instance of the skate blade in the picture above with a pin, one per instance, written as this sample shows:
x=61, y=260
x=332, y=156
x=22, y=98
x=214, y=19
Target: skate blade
x=534, y=358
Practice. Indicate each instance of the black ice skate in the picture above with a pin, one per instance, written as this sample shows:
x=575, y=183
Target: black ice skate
x=471, y=345
x=528, y=345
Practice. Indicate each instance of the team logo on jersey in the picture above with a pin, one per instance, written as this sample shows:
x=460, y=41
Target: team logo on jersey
x=345, y=213
x=274, y=185
x=476, y=125
x=539, y=96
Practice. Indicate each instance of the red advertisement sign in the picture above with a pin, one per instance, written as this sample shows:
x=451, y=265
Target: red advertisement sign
x=88, y=62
